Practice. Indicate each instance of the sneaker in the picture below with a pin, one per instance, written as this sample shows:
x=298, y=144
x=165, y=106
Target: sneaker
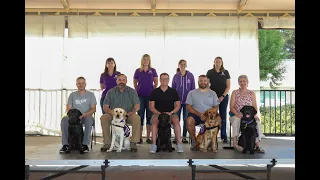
x=193, y=145
x=64, y=148
x=179, y=148
x=149, y=141
x=105, y=147
x=153, y=148
x=225, y=140
x=85, y=148
x=184, y=141
x=133, y=147
x=140, y=142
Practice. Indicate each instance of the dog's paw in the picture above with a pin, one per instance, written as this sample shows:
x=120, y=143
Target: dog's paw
x=109, y=150
x=203, y=150
x=215, y=150
x=119, y=150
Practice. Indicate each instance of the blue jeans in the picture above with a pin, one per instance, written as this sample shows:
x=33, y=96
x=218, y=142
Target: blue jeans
x=184, y=116
x=144, y=106
x=223, y=114
x=101, y=104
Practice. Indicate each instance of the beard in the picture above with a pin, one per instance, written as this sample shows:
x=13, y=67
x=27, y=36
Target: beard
x=202, y=86
x=122, y=85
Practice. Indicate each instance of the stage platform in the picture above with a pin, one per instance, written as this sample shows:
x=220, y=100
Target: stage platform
x=46, y=148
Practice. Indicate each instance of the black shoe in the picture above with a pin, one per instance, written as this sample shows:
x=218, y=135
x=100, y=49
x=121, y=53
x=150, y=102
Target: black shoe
x=140, y=141
x=64, y=148
x=105, y=147
x=85, y=148
x=225, y=140
x=174, y=141
x=149, y=141
x=184, y=141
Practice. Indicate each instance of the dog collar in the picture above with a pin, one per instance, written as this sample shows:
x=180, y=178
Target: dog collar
x=117, y=125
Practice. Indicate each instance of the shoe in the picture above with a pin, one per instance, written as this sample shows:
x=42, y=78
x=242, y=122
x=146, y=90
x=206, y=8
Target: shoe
x=133, y=147
x=225, y=140
x=174, y=141
x=259, y=149
x=153, y=148
x=184, y=141
x=140, y=141
x=149, y=141
x=85, y=148
x=64, y=148
x=105, y=147
x=179, y=148
x=193, y=146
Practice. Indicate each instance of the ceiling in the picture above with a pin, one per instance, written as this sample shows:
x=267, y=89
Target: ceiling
x=163, y=7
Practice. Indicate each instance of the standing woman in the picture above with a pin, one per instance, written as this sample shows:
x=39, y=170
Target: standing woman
x=220, y=83
x=108, y=79
x=145, y=79
x=183, y=82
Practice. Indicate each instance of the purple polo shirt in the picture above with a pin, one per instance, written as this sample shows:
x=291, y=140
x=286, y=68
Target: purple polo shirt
x=145, y=81
x=108, y=82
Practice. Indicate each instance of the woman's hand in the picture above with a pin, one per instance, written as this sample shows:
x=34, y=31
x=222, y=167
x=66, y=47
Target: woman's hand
x=256, y=117
x=239, y=115
x=221, y=98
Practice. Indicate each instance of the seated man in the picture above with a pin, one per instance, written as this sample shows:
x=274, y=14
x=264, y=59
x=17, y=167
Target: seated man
x=165, y=99
x=125, y=97
x=85, y=102
x=198, y=101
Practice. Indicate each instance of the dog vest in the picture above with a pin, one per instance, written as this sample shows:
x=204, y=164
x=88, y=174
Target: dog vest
x=204, y=128
x=248, y=123
x=126, y=129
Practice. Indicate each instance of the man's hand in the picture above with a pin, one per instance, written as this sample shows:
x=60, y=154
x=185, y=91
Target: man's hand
x=202, y=117
x=82, y=116
x=169, y=113
x=129, y=113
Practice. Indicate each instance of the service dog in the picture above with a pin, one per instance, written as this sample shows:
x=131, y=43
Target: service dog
x=120, y=131
x=207, y=136
x=75, y=131
x=164, y=133
x=248, y=129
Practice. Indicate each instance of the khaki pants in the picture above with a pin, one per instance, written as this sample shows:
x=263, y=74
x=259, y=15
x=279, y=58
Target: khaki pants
x=235, y=124
x=133, y=120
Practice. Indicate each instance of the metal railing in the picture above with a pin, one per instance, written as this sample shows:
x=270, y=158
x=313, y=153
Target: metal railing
x=45, y=108
x=277, y=108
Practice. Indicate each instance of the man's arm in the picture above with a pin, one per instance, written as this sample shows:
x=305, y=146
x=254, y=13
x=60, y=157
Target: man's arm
x=134, y=110
x=153, y=108
x=177, y=107
x=190, y=109
x=93, y=104
x=107, y=102
x=69, y=104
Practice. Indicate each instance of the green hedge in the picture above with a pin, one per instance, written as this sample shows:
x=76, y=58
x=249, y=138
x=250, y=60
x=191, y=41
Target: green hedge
x=287, y=118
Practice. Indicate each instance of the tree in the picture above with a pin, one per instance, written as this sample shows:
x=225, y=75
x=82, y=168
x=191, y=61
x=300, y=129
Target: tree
x=271, y=56
x=290, y=44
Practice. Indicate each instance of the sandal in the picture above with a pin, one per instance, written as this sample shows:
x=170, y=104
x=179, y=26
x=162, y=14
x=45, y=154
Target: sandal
x=259, y=150
x=238, y=148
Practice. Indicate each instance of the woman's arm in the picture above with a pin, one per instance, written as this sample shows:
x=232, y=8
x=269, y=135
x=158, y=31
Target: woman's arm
x=135, y=83
x=102, y=86
x=155, y=80
x=255, y=105
x=232, y=105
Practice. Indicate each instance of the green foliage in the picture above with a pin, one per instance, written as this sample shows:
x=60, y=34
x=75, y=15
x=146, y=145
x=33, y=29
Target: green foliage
x=270, y=119
x=271, y=56
x=290, y=43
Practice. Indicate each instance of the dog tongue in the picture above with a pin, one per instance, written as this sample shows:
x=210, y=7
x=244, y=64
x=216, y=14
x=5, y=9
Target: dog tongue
x=247, y=115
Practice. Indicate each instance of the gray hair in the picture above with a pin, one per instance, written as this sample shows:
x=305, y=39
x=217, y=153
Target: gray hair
x=243, y=76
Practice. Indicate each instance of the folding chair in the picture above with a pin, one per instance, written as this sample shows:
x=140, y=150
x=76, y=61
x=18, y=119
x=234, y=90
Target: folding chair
x=93, y=134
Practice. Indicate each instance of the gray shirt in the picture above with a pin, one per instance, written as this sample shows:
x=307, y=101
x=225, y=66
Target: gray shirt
x=125, y=100
x=82, y=102
x=202, y=101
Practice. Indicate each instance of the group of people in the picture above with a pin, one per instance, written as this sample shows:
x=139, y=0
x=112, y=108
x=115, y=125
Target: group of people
x=180, y=101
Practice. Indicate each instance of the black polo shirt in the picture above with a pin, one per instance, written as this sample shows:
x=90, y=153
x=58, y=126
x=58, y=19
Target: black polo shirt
x=218, y=81
x=164, y=101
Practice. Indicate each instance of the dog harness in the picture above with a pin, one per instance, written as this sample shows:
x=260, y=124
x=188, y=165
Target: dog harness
x=126, y=129
x=246, y=124
x=204, y=128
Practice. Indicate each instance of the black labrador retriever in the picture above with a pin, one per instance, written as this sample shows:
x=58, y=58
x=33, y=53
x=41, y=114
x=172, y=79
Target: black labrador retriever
x=248, y=129
x=75, y=131
x=164, y=133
